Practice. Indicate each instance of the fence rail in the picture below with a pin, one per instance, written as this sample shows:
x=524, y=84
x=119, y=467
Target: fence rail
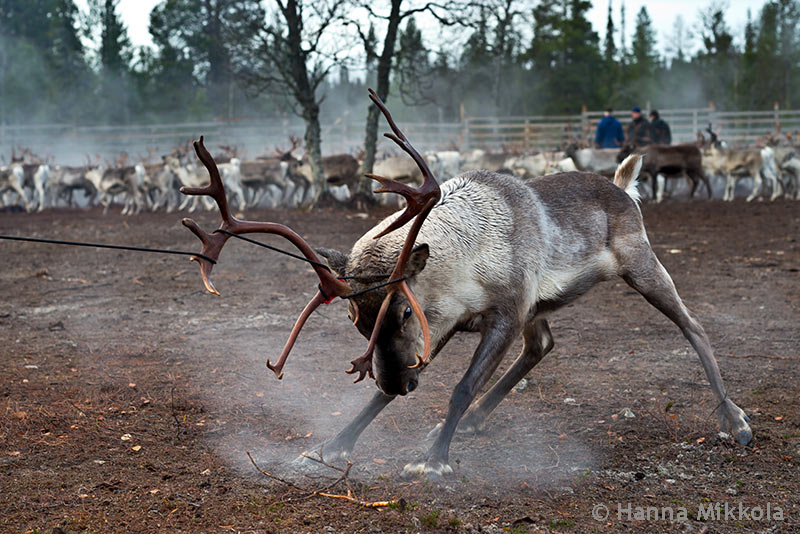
x=546, y=133
x=71, y=144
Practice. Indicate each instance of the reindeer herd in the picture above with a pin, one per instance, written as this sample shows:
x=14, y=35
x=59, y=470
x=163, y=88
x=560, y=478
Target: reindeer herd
x=282, y=179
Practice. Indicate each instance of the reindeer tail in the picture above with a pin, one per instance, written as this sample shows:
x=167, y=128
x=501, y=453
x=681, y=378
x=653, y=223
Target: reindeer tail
x=627, y=175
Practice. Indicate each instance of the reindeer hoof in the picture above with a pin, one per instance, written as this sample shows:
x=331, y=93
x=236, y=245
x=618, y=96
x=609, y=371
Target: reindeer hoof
x=744, y=436
x=735, y=423
x=431, y=469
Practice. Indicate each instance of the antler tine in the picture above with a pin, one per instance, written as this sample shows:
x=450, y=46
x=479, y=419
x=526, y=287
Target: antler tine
x=318, y=299
x=330, y=287
x=416, y=198
x=212, y=243
x=419, y=204
x=215, y=189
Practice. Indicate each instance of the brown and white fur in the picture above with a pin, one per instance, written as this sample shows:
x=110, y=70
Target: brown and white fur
x=735, y=164
x=496, y=255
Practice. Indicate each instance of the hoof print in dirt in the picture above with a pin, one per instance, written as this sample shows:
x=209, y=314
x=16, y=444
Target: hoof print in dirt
x=428, y=469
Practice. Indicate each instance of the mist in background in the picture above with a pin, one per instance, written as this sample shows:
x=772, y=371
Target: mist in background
x=62, y=66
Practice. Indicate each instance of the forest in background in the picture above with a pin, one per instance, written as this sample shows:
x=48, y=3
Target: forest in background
x=229, y=59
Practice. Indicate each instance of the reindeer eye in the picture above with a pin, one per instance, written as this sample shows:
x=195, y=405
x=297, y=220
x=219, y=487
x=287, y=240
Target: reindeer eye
x=407, y=313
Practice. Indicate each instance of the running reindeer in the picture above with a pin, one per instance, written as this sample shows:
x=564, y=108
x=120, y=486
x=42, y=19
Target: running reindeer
x=496, y=255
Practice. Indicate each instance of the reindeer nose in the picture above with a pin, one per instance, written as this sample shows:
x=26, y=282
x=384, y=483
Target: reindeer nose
x=412, y=385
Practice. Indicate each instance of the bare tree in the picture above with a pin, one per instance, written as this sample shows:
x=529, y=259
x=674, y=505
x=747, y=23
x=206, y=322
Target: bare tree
x=290, y=49
x=393, y=19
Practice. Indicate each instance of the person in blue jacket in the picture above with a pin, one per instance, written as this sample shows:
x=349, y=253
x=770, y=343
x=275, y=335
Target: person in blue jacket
x=609, y=132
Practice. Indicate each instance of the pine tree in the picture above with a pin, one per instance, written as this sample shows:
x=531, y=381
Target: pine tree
x=715, y=64
x=609, y=48
x=643, y=47
x=115, y=46
x=623, y=50
x=44, y=72
x=200, y=30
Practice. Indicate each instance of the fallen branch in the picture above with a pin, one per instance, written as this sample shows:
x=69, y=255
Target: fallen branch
x=275, y=477
x=323, y=492
x=349, y=497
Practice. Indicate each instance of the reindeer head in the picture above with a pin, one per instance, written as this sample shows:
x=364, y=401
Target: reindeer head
x=714, y=140
x=396, y=292
x=401, y=336
x=625, y=151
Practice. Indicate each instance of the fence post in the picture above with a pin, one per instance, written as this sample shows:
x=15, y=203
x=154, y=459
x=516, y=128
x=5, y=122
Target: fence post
x=777, y=114
x=584, y=122
x=711, y=115
x=465, y=126
x=527, y=134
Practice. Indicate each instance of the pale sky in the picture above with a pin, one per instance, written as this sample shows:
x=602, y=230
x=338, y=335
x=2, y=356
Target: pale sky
x=136, y=16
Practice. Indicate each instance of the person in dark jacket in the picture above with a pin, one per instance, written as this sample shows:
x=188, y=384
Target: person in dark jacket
x=659, y=129
x=609, y=132
x=639, y=129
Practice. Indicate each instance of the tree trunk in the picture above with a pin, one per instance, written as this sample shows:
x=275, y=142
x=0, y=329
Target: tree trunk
x=304, y=93
x=382, y=89
x=313, y=139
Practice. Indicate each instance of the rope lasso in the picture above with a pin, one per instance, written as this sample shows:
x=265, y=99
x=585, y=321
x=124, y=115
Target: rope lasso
x=320, y=264
x=203, y=256
x=299, y=257
x=106, y=245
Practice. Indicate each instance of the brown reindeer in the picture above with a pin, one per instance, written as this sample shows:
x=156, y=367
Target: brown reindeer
x=674, y=161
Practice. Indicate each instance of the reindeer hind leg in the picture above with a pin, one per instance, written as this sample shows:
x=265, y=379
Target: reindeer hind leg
x=644, y=273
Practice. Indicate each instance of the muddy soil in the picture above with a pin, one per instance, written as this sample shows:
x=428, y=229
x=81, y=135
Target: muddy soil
x=130, y=398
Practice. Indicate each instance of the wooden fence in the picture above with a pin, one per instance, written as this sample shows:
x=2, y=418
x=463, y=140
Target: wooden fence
x=548, y=132
x=70, y=144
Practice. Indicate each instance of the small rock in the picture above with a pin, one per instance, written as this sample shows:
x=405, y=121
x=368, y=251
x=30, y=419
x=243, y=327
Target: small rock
x=627, y=413
x=567, y=489
x=671, y=481
x=731, y=491
x=329, y=528
x=570, y=401
x=31, y=366
x=723, y=436
x=521, y=385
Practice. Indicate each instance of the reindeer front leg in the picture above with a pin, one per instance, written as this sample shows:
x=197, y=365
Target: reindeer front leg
x=340, y=447
x=497, y=338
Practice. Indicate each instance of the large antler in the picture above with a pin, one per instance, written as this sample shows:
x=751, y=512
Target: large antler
x=419, y=203
x=329, y=288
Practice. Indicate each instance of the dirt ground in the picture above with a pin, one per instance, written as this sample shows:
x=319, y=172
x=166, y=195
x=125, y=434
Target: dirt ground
x=129, y=397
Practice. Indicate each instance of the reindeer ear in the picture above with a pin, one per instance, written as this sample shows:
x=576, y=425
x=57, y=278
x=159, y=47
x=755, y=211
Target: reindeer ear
x=417, y=260
x=335, y=259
